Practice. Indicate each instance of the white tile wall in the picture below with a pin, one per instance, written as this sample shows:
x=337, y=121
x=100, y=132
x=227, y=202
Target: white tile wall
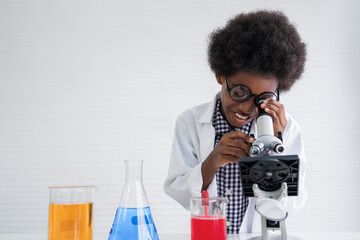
x=86, y=84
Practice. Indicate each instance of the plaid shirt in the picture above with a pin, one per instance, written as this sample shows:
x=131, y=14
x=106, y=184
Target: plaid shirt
x=228, y=177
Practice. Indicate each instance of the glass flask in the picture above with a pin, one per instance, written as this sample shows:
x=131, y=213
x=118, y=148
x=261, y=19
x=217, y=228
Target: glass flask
x=208, y=221
x=133, y=219
x=71, y=213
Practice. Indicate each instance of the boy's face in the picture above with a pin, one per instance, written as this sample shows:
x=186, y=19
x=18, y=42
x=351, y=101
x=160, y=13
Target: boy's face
x=239, y=114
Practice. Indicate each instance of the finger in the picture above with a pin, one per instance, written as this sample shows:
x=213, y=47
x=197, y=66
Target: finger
x=239, y=135
x=274, y=102
x=234, y=147
x=236, y=143
x=274, y=114
x=276, y=107
x=240, y=144
x=272, y=111
x=278, y=115
x=238, y=152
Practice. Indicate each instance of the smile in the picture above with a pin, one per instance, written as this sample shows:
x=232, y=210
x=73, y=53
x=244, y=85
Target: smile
x=241, y=117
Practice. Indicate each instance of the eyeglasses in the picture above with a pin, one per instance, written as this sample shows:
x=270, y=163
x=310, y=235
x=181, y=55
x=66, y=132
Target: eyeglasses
x=242, y=93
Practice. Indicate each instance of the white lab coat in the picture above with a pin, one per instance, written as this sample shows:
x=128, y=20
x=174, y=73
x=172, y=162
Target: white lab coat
x=193, y=142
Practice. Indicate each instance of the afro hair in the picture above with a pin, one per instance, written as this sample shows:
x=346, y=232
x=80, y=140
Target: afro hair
x=264, y=42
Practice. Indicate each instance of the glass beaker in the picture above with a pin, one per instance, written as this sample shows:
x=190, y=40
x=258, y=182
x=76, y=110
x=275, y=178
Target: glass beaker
x=71, y=213
x=208, y=222
x=133, y=219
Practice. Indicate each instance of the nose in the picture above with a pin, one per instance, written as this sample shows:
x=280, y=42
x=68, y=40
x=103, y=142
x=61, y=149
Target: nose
x=249, y=106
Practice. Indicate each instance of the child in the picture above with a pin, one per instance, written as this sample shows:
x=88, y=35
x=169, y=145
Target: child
x=254, y=53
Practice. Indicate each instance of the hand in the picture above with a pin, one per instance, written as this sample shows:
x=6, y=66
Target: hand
x=230, y=147
x=277, y=111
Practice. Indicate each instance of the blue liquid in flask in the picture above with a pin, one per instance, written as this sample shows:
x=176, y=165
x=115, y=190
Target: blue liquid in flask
x=133, y=224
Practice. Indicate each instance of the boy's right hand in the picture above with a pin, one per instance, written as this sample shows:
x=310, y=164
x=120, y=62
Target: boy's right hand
x=230, y=147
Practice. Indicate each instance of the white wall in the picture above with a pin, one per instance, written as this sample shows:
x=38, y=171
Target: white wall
x=85, y=84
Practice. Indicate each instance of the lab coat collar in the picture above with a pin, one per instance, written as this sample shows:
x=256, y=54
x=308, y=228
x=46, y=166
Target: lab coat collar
x=207, y=116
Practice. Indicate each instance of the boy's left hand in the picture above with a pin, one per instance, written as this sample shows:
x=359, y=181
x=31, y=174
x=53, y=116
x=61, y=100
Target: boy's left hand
x=277, y=111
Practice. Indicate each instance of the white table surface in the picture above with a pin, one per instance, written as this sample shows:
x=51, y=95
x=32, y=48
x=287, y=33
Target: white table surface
x=299, y=236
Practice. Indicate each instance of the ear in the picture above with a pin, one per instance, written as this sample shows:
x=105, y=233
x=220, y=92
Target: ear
x=219, y=78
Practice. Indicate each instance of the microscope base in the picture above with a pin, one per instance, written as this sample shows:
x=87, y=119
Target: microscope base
x=275, y=236
x=265, y=228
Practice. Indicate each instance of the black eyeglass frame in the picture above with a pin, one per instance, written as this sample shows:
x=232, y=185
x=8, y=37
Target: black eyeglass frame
x=250, y=95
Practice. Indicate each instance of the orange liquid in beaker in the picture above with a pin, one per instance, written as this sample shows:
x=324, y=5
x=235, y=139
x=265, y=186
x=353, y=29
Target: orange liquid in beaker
x=72, y=221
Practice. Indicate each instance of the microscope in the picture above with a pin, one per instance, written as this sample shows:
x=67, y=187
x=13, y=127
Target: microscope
x=268, y=175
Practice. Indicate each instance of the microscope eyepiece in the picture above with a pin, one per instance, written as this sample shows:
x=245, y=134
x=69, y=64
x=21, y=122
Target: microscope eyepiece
x=266, y=143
